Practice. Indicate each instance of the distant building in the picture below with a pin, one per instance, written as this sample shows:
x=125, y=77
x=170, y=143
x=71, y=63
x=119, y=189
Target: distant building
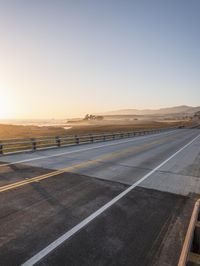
x=93, y=117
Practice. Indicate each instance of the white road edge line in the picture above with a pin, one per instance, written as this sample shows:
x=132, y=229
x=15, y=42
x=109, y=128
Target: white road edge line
x=76, y=151
x=43, y=253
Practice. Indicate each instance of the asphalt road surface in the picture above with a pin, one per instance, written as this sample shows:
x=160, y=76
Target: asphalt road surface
x=122, y=202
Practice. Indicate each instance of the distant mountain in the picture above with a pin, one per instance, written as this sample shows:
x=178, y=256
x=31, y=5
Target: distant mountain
x=183, y=109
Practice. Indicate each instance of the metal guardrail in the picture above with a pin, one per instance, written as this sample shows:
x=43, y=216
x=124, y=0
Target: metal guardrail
x=190, y=255
x=33, y=144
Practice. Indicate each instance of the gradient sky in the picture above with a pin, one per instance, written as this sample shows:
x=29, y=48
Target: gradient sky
x=63, y=59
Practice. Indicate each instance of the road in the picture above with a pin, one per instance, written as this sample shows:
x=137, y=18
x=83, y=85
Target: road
x=122, y=202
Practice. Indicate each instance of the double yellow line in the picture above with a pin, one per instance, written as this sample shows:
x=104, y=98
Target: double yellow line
x=39, y=178
x=83, y=164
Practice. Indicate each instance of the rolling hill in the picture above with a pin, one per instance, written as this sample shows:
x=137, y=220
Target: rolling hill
x=183, y=109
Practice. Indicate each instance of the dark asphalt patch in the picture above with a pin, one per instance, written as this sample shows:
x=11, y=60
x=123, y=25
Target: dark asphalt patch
x=17, y=172
x=138, y=230
x=34, y=215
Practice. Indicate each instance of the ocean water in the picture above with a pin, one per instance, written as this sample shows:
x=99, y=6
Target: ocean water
x=37, y=122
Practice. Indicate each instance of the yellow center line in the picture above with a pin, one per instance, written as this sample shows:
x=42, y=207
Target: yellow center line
x=80, y=165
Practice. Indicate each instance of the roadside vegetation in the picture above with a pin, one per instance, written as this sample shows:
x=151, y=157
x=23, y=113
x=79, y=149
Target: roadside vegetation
x=16, y=131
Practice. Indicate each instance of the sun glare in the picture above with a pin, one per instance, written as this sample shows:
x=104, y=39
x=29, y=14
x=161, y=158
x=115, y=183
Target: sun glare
x=6, y=107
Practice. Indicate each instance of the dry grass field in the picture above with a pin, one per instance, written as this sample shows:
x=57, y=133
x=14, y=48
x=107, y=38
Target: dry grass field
x=16, y=131
x=84, y=129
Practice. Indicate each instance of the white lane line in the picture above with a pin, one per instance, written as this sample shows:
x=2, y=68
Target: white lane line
x=80, y=150
x=43, y=253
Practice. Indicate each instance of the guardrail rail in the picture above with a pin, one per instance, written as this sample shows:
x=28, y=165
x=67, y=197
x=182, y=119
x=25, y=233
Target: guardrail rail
x=190, y=255
x=32, y=144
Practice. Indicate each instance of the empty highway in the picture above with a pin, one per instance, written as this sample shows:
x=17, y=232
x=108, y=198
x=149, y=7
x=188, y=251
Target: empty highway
x=120, y=202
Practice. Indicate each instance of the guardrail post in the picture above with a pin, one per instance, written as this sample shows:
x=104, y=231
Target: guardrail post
x=34, y=144
x=1, y=148
x=58, y=141
x=77, y=140
x=91, y=138
x=196, y=238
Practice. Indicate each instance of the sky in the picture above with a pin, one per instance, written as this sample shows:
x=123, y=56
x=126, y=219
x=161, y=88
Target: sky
x=61, y=59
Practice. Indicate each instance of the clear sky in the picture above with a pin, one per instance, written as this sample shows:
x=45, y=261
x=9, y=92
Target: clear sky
x=61, y=58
